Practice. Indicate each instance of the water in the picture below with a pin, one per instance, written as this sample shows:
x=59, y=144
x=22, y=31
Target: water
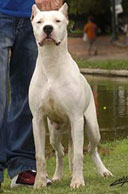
x=111, y=98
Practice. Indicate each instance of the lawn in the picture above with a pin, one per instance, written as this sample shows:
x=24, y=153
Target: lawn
x=104, y=64
x=114, y=155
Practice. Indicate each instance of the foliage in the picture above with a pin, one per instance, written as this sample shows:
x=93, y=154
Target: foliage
x=81, y=9
x=125, y=7
x=100, y=9
x=88, y=6
x=94, y=7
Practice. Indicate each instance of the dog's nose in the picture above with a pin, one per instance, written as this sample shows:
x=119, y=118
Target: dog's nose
x=48, y=29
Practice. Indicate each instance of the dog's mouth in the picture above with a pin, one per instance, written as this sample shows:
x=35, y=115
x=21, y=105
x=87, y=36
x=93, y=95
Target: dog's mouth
x=48, y=40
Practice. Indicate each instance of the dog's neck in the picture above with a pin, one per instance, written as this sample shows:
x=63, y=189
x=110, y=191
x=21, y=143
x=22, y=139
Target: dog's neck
x=51, y=57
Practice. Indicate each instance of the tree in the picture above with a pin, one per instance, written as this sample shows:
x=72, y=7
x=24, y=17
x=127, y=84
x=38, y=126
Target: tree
x=94, y=7
x=125, y=7
x=100, y=9
x=81, y=9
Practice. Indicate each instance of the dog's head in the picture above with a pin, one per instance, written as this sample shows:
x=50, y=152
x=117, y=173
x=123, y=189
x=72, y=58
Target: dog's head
x=50, y=27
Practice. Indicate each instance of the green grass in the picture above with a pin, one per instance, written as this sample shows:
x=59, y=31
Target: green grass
x=104, y=64
x=114, y=155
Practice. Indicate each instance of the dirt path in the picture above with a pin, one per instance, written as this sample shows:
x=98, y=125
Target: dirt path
x=106, y=50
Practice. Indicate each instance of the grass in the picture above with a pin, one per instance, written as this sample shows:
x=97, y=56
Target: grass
x=104, y=64
x=76, y=33
x=114, y=155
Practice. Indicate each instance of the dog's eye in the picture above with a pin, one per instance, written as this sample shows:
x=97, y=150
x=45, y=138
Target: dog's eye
x=39, y=22
x=58, y=21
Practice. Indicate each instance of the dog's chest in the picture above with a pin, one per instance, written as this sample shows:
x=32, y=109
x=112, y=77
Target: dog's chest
x=54, y=109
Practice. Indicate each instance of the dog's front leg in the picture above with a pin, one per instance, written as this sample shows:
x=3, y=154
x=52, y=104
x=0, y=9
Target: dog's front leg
x=77, y=126
x=39, y=138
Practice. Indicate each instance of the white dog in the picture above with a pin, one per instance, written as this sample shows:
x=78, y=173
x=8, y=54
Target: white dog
x=61, y=97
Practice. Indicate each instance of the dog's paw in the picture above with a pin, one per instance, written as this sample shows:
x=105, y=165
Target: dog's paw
x=56, y=178
x=77, y=183
x=40, y=183
x=106, y=173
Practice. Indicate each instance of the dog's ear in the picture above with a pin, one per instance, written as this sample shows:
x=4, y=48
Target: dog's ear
x=35, y=10
x=64, y=10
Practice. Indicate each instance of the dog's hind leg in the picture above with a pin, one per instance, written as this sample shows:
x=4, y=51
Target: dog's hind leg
x=93, y=135
x=55, y=140
x=70, y=152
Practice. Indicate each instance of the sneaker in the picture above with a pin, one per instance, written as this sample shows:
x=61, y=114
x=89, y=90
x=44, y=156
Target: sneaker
x=26, y=178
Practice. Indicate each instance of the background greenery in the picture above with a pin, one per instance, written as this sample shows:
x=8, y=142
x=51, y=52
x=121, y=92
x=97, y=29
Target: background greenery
x=103, y=64
x=79, y=10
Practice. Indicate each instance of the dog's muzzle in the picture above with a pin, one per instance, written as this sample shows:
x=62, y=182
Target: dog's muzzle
x=48, y=30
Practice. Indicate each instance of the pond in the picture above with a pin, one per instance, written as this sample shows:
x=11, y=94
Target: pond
x=111, y=99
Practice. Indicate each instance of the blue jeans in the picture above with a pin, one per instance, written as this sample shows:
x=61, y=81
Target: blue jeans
x=17, y=152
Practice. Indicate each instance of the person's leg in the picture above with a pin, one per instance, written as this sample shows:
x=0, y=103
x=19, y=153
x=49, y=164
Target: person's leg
x=89, y=46
x=21, y=144
x=6, y=41
x=94, y=47
x=127, y=40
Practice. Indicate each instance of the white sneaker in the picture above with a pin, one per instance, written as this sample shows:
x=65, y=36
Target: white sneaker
x=26, y=178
